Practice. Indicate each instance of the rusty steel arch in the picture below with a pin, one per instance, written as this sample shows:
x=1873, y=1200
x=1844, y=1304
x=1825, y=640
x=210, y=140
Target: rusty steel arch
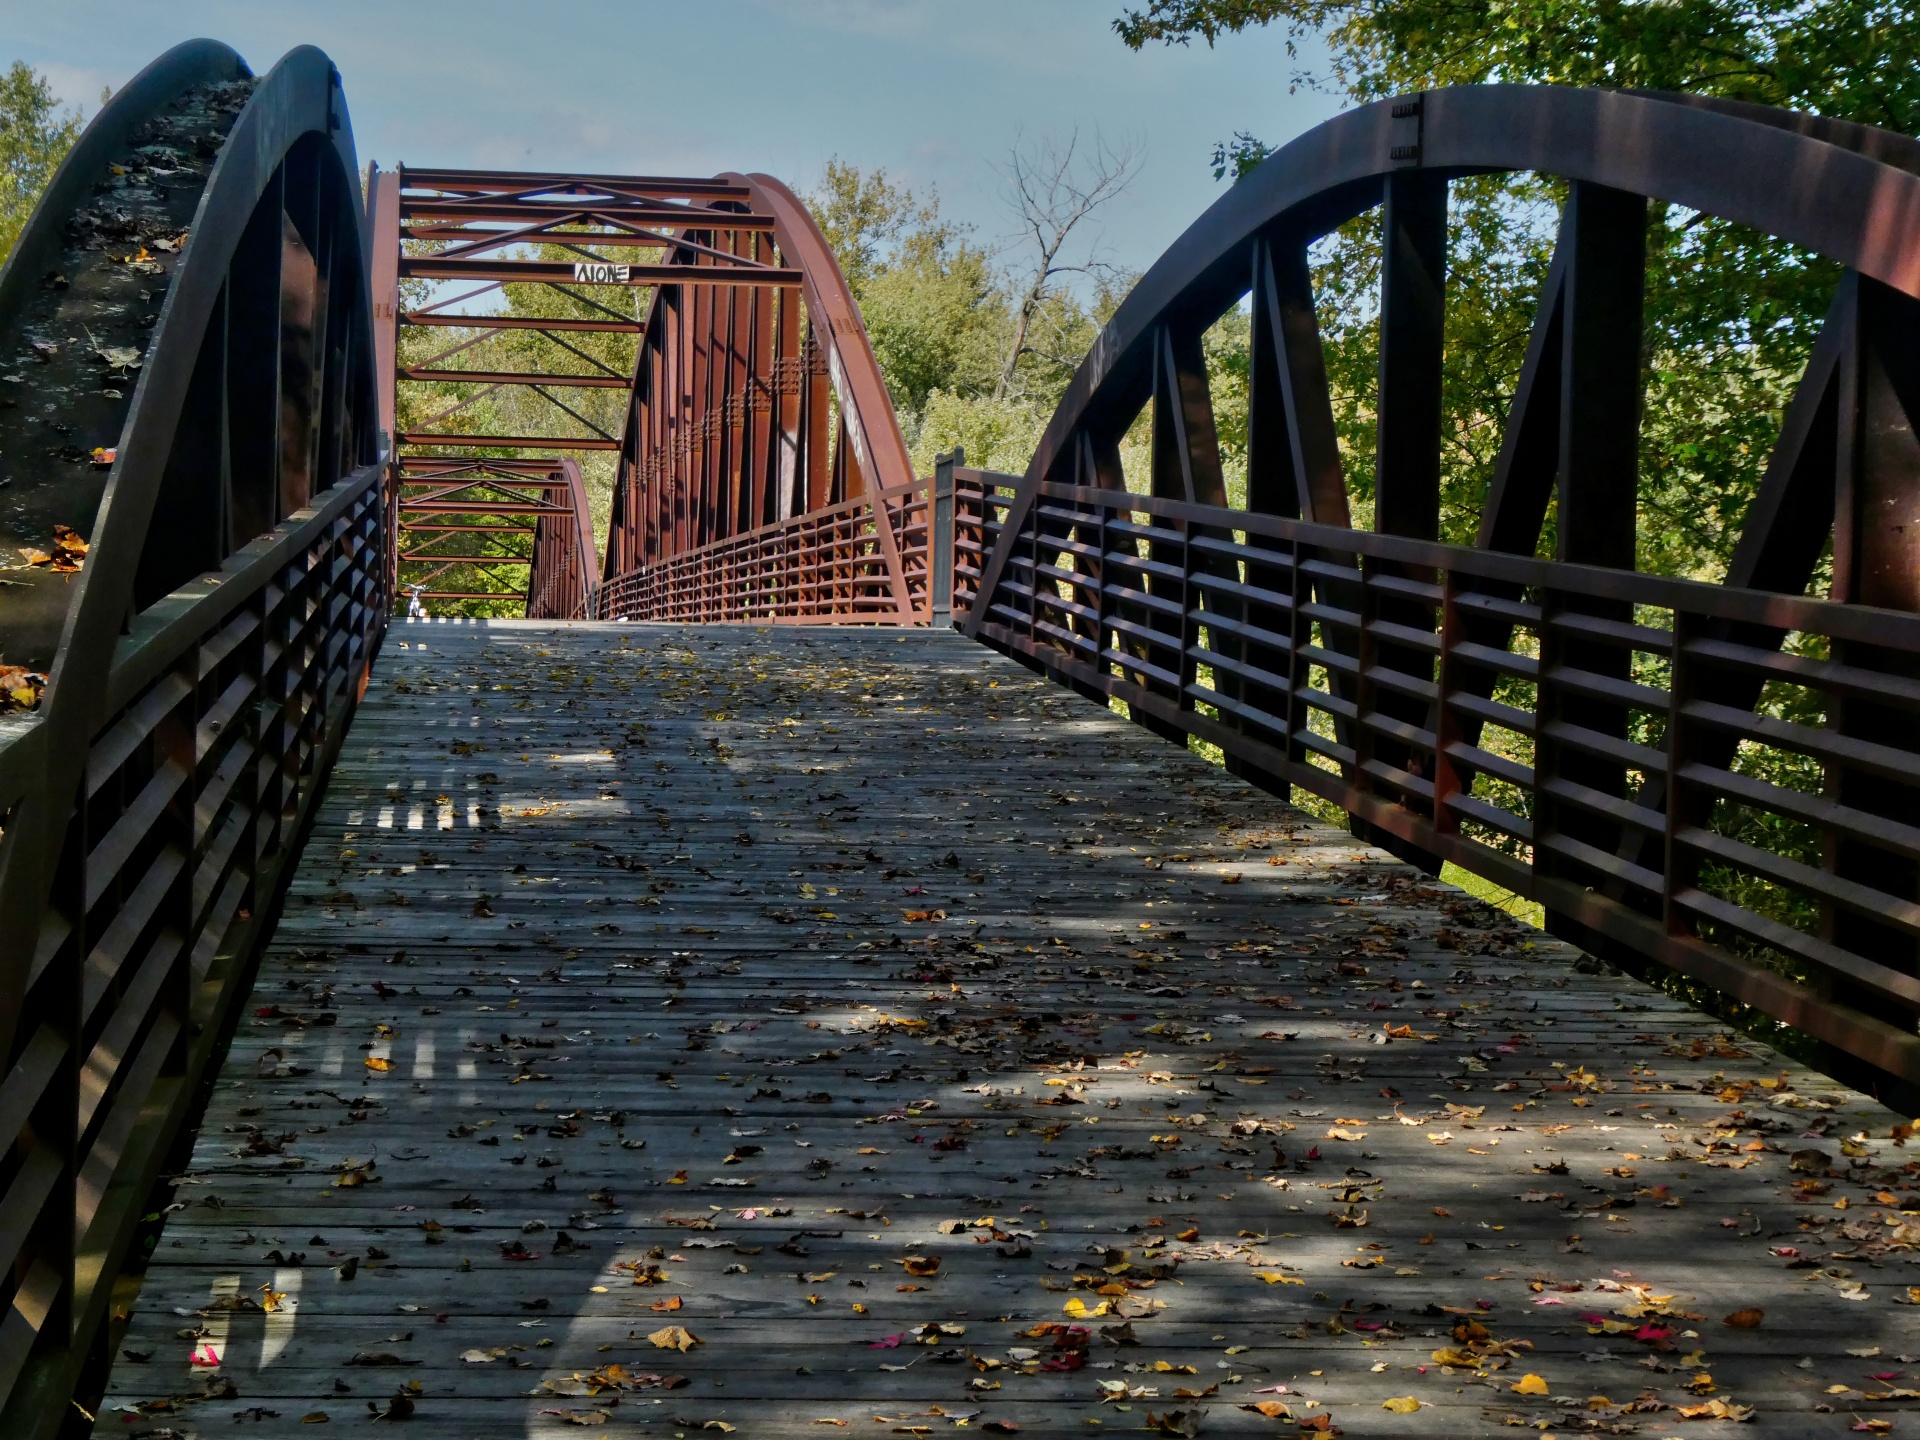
x=214, y=621
x=1572, y=730
x=751, y=410
x=753, y=404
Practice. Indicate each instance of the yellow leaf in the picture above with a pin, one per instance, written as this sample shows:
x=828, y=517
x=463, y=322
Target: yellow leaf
x=379, y=1062
x=674, y=1337
x=1530, y=1385
x=1275, y=1277
x=1401, y=1404
x=1077, y=1308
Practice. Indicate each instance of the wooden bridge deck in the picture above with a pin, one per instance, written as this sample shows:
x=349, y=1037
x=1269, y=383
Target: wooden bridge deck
x=944, y=1052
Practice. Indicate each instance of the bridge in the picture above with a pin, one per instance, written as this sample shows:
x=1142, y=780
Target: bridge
x=629, y=1015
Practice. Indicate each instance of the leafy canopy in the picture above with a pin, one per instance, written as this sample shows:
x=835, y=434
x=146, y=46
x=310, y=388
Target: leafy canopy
x=35, y=136
x=1848, y=58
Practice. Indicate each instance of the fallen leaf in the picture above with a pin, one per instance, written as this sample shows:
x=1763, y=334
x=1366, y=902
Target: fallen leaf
x=1530, y=1385
x=1401, y=1404
x=674, y=1337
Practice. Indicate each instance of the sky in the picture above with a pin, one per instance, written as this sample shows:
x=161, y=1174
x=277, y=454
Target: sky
x=936, y=92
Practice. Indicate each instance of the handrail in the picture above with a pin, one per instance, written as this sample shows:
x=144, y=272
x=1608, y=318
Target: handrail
x=216, y=640
x=1239, y=654
x=829, y=566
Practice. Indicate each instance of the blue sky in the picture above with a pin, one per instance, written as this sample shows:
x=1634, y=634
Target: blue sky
x=935, y=91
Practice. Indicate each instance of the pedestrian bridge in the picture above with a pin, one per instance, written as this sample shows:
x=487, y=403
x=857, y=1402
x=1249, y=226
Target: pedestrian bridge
x=633, y=1016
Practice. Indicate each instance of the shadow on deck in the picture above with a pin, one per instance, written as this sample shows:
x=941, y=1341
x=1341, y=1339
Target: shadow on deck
x=934, y=1048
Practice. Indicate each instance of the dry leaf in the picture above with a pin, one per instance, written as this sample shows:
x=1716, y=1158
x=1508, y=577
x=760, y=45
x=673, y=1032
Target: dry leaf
x=1748, y=1319
x=1401, y=1404
x=379, y=1062
x=674, y=1337
x=1530, y=1385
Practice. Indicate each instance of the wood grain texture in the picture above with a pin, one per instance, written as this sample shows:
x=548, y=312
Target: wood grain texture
x=758, y=957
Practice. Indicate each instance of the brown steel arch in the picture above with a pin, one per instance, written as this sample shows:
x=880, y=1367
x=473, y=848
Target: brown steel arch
x=752, y=408
x=1566, y=727
x=753, y=398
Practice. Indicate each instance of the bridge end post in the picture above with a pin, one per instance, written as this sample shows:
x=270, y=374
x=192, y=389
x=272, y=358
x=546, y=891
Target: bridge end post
x=940, y=538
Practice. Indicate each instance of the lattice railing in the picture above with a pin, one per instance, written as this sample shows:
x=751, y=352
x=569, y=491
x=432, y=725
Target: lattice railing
x=825, y=567
x=227, y=701
x=1699, y=773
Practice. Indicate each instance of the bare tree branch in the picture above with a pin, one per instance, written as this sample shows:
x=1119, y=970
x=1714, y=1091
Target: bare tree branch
x=1052, y=189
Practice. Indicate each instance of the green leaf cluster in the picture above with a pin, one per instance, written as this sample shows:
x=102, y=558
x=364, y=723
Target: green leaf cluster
x=35, y=136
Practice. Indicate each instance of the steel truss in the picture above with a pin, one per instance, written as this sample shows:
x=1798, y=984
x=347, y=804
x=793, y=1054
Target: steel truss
x=1566, y=728
x=210, y=653
x=754, y=397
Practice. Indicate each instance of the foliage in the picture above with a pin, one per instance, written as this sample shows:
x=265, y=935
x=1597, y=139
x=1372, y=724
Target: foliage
x=1848, y=58
x=963, y=366
x=35, y=136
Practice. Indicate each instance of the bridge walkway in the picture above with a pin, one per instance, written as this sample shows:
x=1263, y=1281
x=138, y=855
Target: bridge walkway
x=812, y=1030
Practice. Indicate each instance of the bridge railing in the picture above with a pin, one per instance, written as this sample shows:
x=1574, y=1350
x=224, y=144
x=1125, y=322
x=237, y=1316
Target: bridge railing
x=1676, y=766
x=828, y=566
x=226, y=703
x=200, y=654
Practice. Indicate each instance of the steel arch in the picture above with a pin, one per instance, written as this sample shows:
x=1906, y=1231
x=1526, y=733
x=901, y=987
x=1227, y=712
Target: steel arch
x=751, y=411
x=1369, y=668
x=211, y=650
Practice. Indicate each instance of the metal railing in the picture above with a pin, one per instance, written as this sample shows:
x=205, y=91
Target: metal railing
x=826, y=567
x=205, y=656
x=1695, y=772
x=227, y=702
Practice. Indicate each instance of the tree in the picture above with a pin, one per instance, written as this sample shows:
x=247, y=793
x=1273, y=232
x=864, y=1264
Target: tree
x=976, y=354
x=1846, y=58
x=1053, y=189
x=35, y=136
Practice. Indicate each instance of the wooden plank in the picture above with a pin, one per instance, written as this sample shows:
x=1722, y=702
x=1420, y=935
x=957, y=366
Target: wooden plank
x=611, y=905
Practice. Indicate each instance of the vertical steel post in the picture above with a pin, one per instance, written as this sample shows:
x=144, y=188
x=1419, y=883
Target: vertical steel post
x=940, y=537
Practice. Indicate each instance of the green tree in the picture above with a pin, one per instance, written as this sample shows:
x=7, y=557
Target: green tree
x=973, y=353
x=1847, y=58
x=35, y=136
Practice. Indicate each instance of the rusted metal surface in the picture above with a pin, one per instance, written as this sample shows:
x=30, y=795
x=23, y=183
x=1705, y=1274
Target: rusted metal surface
x=215, y=642
x=755, y=398
x=753, y=407
x=527, y=517
x=828, y=566
x=1569, y=729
